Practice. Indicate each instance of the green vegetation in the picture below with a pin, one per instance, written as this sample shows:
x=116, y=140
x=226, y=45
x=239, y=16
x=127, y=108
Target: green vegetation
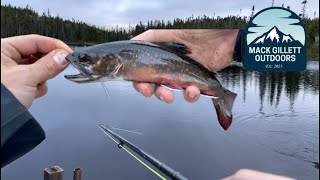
x=313, y=52
x=19, y=21
x=312, y=28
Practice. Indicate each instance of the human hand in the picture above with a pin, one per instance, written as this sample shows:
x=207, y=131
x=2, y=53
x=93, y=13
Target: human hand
x=211, y=48
x=247, y=174
x=28, y=61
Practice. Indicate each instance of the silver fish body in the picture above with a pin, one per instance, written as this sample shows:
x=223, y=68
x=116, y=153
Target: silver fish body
x=162, y=63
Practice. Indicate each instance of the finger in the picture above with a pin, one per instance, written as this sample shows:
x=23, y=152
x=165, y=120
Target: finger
x=148, y=35
x=164, y=94
x=18, y=46
x=42, y=89
x=30, y=60
x=144, y=88
x=158, y=36
x=36, y=55
x=249, y=174
x=191, y=94
x=48, y=66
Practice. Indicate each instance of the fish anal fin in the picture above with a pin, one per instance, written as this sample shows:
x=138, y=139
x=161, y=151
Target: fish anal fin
x=172, y=87
x=208, y=95
x=174, y=47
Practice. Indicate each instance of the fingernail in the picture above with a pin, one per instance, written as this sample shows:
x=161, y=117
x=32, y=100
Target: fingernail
x=192, y=95
x=139, y=89
x=161, y=98
x=59, y=57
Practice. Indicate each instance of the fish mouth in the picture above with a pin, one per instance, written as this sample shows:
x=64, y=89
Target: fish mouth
x=85, y=75
x=86, y=72
x=79, y=78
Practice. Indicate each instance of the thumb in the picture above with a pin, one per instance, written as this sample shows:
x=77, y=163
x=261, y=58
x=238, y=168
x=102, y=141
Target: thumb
x=50, y=65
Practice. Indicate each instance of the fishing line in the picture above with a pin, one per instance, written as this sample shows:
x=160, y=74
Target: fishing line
x=126, y=130
x=134, y=151
x=105, y=90
x=135, y=157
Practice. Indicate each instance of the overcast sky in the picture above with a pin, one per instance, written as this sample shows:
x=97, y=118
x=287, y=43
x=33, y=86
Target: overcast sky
x=122, y=12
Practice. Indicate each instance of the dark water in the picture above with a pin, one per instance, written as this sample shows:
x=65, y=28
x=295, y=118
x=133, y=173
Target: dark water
x=275, y=129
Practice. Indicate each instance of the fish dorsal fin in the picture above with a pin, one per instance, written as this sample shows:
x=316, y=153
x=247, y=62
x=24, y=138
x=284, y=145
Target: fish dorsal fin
x=177, y=48
x=174, y=47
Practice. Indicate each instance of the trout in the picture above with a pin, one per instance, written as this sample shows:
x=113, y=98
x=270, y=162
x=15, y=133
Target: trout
x=164, y=63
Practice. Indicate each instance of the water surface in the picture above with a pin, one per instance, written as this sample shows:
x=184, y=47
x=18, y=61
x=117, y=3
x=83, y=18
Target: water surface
x=275, y=129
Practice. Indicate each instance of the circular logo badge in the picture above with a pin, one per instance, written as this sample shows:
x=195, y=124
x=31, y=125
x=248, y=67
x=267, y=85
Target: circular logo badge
x=275, y=40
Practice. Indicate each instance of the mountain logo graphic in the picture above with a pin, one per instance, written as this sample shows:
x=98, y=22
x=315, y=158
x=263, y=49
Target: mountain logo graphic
x=275, y=40
x=275, y=36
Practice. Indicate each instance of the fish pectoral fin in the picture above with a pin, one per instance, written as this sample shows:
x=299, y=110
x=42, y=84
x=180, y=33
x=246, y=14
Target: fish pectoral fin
x=174, y=47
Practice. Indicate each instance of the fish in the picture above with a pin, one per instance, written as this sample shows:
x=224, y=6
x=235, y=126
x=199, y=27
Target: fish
x=164, y=63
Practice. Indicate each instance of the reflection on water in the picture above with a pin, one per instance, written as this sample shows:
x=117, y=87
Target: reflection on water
x=275, y=129
x=272, y=84
x=274, y=88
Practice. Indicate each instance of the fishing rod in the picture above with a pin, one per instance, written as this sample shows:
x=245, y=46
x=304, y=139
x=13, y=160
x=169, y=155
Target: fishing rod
x=123, y=143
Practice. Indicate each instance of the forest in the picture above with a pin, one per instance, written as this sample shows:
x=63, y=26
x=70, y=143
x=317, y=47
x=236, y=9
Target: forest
x=19, y=21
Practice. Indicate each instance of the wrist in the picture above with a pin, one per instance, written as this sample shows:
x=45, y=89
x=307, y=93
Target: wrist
x=237, y=53
x=224, y=51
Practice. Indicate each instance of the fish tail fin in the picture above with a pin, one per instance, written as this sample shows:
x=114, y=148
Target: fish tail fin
x=223, y=108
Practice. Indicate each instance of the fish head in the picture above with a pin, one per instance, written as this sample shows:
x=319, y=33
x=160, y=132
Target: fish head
x=93, y=67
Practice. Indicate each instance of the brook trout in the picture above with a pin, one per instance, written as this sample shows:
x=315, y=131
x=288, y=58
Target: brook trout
x=164, y=63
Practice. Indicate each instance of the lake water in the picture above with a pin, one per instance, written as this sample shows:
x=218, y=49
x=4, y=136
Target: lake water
x=275, y=129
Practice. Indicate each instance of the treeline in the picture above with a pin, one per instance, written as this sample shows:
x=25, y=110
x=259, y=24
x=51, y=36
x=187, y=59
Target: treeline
x=312, y=28
x=18, y=21
x=199, y=22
